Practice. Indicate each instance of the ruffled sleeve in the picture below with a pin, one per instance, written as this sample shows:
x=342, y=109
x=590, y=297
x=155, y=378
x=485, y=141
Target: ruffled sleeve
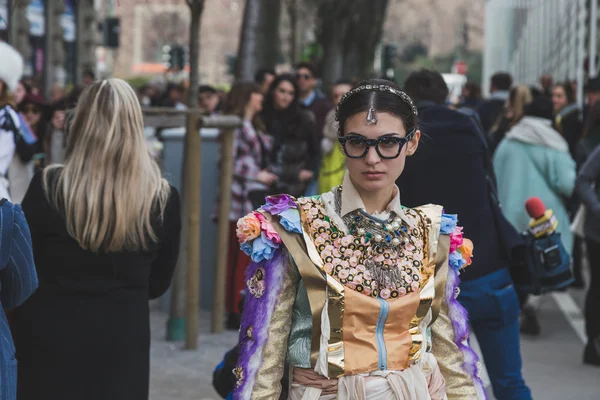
x=450, y=332
x=271, y=285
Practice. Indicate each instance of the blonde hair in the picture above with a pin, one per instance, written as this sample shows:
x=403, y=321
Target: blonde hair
x=109, y=188
x=518, y=98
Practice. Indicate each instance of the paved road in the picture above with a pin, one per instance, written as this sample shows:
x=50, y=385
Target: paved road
x=552, y=362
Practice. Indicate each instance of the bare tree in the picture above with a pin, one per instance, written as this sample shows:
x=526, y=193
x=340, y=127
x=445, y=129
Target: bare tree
x=259, y=42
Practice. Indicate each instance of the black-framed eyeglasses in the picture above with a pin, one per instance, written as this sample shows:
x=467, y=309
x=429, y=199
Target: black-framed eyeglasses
x=387, y=147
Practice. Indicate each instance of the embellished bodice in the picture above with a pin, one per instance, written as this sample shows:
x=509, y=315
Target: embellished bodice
x=360, y=262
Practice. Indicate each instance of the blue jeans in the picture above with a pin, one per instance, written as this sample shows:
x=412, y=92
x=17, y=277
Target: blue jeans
x=493, y=309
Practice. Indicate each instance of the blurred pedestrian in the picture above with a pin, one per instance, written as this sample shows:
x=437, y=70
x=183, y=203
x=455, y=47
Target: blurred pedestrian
x=452, y=141
x=311, y=97
x=21, y=91
x=567, y=115
x=534, y=160
x=208, y=99
x=471, y=96
x=296, y=145
x=33, y=110
x=18, y=280
x=105, y=228
x=251, y=181
x=11, y=69
x=546, y=84
x=588, y=188
x=513, y=112
x=173, y=97
x=88, y=77
x=490, y=110
x=264, y=77
x=333, y=164
x=56, y=138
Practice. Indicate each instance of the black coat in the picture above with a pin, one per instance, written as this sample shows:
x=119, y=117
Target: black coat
x=85, y=333
x=296, y=146
x=489, y=112
x=449, y=169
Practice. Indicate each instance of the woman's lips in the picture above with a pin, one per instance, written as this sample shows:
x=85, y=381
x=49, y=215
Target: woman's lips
x=373, y=174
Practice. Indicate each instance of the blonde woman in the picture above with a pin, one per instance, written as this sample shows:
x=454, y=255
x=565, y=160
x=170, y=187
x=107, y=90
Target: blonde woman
x=105, y=231
x=514, y=110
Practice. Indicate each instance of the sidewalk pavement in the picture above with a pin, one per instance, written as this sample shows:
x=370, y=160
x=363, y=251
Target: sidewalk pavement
x=177, y=374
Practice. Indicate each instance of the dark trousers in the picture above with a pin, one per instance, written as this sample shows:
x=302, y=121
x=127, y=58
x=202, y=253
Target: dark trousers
x=493, y=309
x=592, y=301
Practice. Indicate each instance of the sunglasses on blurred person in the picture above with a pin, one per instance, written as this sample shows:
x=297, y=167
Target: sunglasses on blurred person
x=305, y=77
x=31, y=110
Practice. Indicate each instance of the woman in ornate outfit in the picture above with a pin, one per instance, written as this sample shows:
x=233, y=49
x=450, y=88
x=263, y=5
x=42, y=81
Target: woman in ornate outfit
x=352, y=292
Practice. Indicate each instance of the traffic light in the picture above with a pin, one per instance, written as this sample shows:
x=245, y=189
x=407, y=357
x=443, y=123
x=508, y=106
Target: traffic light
x=174, y=56
x=388, y=61
x=112, y=29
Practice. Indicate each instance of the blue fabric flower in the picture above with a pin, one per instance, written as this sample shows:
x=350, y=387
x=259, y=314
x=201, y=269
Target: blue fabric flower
x=246, y=248
x=263, y=248
x=449, y=222
x=290, y=220
x=456, y=261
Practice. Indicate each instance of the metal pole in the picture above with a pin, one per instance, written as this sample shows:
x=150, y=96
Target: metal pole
x=223, y=233
x=593, y=37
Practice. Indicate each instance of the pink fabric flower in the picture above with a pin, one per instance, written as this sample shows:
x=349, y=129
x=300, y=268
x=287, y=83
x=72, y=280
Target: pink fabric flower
x=385, y=293
x=402, y=291
x=267, y=228
x=353, y=261
x=328, y=268
x=456, y=239
x=343, y=274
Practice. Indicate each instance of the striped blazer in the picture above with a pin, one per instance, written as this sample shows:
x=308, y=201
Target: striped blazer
x=18, y=280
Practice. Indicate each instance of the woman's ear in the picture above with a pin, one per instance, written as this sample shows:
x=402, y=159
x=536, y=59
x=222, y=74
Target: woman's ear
x=413, y=144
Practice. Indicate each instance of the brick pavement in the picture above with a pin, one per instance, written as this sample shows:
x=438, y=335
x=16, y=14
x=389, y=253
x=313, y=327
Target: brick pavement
x=177, y=374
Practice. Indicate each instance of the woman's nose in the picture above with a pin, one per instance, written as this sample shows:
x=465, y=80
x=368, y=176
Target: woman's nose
x=372, y=157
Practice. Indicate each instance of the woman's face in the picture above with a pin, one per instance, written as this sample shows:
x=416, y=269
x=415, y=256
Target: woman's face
x=559, y=98
x=20, y=93
x=372, y=173
x=338, y=91
x=256, y=102
x=32, y=114
x=283, y=95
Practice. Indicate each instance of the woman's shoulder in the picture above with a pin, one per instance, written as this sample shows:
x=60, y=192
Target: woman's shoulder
x=259, y=232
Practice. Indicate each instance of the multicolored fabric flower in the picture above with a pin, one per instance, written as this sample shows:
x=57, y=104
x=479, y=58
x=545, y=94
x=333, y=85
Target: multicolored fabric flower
x=263, y=248
x=467, y=251
x=246, y=248
x=290, y=220
x=279, y=203
x=456, y=239
x=267, y=228
x=456, y=261
x=448, y=224
x=248, y=228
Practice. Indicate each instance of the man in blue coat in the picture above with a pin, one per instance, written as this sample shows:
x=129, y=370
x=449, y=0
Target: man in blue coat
x=18, y=280
x=452, y=167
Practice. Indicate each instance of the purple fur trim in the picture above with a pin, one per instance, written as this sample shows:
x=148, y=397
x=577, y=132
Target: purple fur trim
x=460, y=322
x=257, y=314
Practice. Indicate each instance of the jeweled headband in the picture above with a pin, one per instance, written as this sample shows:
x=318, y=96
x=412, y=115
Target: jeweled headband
x=381, y=88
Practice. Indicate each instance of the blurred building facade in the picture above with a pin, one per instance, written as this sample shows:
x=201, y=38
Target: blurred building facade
x=146, y=26
x=529, y=38
x=57, y=38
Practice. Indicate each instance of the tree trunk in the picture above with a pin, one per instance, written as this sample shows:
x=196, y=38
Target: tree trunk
x=364, y=34
x=259, y=42
x=334, y=23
